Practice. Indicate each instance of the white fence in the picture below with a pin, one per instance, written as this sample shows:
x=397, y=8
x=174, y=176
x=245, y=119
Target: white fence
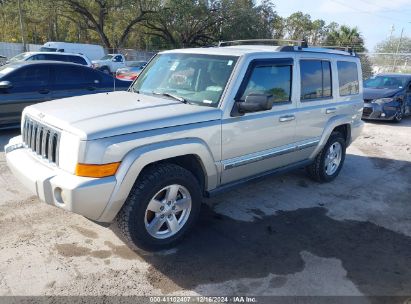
x=12, y=49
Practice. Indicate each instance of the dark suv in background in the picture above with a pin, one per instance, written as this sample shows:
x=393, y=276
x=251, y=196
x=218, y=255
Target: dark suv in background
x=387, y=97
x=29, y=82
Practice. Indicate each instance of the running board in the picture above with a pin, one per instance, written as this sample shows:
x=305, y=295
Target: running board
x=277, y=171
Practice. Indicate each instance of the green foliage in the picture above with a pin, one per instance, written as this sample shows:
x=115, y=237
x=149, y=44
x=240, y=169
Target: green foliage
x=162, y=24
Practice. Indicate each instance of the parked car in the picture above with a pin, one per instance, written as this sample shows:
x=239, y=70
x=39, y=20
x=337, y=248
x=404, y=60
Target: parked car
x=64, y=57
x=110, y=63
x=196, y=122
x=131, y=71
x=387, y=97
x=29, y=82
x=92, y=51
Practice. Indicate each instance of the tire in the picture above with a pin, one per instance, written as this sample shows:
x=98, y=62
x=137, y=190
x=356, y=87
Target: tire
x=149, y=193
x=399, y=115
x=106, y=70
x=321, y=172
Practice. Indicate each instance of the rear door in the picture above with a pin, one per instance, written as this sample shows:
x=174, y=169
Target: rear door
x=30, y=85
x=316, y=104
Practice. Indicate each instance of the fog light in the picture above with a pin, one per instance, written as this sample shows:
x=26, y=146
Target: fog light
x=58, y=195
x=382, y=114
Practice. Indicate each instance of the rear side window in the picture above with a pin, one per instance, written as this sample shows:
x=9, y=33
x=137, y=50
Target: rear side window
x=348, y=78
x=269, y=78
x=76, y=59
x=316, y=79
x=76, y=75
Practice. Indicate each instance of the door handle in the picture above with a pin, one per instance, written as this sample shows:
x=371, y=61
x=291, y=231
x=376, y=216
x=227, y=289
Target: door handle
x=330, y=110
x=44, y=91
x=287, y=118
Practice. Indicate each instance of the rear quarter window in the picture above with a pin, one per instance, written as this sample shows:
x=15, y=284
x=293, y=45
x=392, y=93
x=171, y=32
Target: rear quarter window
x=77, y=59
x=348, y=78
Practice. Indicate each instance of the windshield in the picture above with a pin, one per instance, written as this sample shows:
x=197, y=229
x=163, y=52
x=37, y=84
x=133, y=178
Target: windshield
x=107, y=57
x=19, y=57
x=385, y=82
x=196, y=78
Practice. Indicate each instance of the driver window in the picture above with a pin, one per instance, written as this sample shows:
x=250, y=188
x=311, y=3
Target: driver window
x=270, y=79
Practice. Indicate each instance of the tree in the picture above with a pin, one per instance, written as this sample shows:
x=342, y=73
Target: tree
x=391, y=61
x=97, y=14
x=346, y=36
x=298, y=26
x=183, y=23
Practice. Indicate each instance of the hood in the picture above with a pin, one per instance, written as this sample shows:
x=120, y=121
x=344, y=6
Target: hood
x=116, y=113
x=370, y=93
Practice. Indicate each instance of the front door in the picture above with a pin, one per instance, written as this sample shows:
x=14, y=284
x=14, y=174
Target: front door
x=261, y=141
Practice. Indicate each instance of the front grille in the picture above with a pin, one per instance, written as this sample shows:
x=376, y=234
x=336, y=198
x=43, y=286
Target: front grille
x=368, y=100
x=366, y=111
x=41, y=139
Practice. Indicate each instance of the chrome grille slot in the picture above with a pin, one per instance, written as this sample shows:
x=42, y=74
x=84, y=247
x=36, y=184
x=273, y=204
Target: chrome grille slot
x=41, y=139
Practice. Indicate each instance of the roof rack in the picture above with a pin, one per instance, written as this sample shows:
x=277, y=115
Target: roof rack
x=291, y=46
x=279, y=42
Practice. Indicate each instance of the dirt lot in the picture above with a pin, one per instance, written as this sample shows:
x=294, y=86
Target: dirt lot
x=285, y=235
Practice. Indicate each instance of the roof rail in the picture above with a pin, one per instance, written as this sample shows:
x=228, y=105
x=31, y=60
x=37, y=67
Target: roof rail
x=348, y=49
x=279, y=42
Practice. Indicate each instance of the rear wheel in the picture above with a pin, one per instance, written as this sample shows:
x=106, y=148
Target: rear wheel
x=328, y=163
x=161, y=208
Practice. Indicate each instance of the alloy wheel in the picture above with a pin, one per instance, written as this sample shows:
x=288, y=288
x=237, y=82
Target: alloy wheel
x=168, y=211
x=333, y=158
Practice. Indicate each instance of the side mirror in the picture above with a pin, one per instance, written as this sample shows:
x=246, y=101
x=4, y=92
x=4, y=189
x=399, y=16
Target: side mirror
x=5, y=85
x=255, y=103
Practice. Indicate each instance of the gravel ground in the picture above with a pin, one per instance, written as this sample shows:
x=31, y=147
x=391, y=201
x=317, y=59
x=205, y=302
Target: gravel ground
x=285, y=235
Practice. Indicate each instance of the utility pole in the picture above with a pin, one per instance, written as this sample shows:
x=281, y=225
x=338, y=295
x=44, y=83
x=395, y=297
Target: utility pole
x=398, y=49
x=21, y=25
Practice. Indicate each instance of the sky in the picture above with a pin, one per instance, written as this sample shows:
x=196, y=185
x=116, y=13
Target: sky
x=374, y=18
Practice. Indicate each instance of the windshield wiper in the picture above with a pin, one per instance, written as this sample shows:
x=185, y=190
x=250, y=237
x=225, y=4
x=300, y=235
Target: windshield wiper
x=179, y=98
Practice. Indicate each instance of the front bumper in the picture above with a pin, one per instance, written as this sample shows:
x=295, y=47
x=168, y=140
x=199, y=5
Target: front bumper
x=376, y=111
x=86, y=196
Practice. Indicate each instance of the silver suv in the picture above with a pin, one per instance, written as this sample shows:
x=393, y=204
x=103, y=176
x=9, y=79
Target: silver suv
x=195, y=122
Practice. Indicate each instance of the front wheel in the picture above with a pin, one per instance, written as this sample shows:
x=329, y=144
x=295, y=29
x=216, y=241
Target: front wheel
x=161, y=208
x=328, y=163
x=399, y=115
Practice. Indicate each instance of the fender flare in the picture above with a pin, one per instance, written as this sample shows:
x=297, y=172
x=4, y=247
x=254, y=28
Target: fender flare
x=135, y=161
x=330, y=126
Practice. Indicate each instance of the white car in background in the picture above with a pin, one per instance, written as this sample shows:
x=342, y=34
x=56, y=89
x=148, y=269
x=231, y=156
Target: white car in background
x=52, y=56
x=110, y=63
x=92, y=51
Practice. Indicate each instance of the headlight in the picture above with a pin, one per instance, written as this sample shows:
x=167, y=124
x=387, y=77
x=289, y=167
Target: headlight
x=70, y=147
x=383, y=100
